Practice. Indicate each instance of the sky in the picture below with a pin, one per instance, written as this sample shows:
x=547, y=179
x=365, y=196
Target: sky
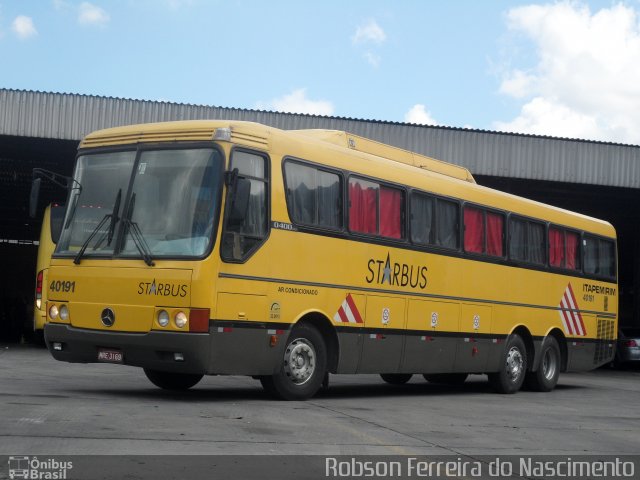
x=564, y=68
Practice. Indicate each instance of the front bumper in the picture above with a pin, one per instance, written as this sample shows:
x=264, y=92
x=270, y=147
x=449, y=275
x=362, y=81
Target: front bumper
x=154, y=350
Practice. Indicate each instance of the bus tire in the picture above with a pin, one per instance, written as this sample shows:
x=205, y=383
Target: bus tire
x=546, y=377
x=513, y=367
x=303, y=368
x=446, y=378
x=396, y=378
x=172, y=380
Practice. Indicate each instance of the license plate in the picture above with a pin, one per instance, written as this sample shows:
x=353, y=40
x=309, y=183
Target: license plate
x=109, y=356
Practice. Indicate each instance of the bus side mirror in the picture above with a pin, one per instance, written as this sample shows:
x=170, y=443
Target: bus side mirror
x=239, y=201
x=34, y=196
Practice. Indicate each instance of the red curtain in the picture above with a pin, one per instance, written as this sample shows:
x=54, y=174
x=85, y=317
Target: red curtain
x=556, y=247
x=390, y=208
x=473, y=230
x=495, y=230
x=572, y=250
x=362, y=209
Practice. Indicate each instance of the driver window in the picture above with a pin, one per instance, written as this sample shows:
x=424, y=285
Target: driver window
x=241, y=239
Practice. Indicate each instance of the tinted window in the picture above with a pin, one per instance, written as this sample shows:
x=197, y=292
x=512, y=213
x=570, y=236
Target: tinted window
x=240, y=239
x=526, y=241
x=314, y=196
x=447, y=224
x=434, y=221
x=599, y=256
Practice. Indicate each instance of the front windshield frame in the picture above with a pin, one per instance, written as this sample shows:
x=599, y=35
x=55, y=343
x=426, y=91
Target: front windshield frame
x=217, y=156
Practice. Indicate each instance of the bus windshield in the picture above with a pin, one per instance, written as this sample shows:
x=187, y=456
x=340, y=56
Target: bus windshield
x=169, y=205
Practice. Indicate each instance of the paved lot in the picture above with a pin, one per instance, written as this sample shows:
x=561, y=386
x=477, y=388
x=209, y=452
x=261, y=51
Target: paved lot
x=55, y=408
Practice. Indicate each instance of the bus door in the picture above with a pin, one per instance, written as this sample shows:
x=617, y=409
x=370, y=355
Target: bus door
x=384, y=334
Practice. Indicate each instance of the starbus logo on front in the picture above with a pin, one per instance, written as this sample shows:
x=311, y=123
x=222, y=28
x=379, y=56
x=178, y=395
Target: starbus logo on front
x=396, y=274
x=34, y=468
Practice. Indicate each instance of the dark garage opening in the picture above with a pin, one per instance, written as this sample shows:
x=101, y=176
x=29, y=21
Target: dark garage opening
x=19, y=233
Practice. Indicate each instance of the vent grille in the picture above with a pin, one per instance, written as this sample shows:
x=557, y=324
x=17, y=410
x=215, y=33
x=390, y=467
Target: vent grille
x=605, y=342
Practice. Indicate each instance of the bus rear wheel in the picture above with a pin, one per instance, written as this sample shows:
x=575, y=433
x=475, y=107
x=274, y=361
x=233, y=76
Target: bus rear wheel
x=303, y=368
x=513, y=367
x=446, y=378
x=546, y=377
x=172, y=380
x=396, y=378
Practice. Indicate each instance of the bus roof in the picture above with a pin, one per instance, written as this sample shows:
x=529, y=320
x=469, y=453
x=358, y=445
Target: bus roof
x=445, y=178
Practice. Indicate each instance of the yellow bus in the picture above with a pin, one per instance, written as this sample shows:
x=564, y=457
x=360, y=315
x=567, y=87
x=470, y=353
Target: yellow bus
x=232, y=248
x=49, y=234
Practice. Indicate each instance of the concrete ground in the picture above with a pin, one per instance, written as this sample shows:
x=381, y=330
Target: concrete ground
x=54, y=408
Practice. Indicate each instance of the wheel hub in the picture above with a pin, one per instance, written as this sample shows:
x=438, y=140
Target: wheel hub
x=515, y=364
x=549, y=365
x=300, y=361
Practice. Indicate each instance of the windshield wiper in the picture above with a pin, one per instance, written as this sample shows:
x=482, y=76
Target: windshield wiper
x=109, y=234
x=136, y=234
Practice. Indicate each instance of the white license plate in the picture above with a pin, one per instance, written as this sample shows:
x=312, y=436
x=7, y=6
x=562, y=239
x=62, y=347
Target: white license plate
x=109, y=356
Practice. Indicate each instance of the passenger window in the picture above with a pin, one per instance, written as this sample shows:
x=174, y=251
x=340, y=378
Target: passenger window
x=483, y=231
x=447, y=224
x=564, y=249
x=473, y=230
x=526, y=241
x=314, y=196
x=434, y=221
x=241, y=238
x=599, y=257
x=375, y=209
x=422, y=219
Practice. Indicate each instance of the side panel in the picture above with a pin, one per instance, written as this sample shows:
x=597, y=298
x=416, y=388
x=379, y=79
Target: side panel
x=431, y=345
x=382, y=346
x=475, y=346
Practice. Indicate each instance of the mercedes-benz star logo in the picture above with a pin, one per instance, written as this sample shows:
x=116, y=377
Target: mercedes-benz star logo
x=108, y=317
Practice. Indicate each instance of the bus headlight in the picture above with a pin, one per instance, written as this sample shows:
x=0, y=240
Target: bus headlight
x=163, y=318
x=180, y=319
x=53, y=312
x=64, y=313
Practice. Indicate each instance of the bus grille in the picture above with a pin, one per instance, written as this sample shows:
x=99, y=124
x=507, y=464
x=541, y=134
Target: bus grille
x=605, y=342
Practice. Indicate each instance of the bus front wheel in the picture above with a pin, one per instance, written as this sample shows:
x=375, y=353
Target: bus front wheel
x=172, y=380
x=545, y=378
x=513, y=367
x=303, y=368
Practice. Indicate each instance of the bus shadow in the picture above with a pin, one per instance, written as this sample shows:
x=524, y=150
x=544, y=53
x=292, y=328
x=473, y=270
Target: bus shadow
x=339, y=391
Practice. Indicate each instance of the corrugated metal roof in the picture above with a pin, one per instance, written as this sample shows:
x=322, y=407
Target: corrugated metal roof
x=71, y=117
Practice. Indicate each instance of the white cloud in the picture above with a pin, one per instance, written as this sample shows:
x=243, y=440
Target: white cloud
x=586, y=79
x=373, y=59
x=23, y=27
x=297, y=102
x=61, y=4
x=90, y=14
x=370, y=32
x=517, y=84
x=420, y=115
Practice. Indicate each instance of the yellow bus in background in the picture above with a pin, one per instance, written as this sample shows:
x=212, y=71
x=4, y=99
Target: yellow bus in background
x=49, y=234
x=221, y=247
